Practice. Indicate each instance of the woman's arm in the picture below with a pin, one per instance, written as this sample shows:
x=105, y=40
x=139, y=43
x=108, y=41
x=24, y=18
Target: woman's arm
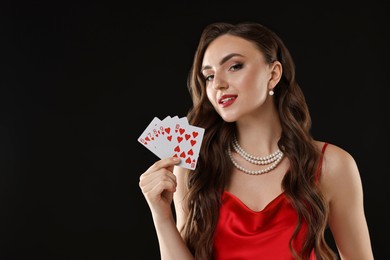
x=341, y=184
x=158, y=184
x=179, y=197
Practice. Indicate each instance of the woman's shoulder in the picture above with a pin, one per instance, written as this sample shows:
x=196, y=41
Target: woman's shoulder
x=338, y=169
x=333, y=154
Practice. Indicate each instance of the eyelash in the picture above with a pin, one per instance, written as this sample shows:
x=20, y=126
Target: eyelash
x=234, y=67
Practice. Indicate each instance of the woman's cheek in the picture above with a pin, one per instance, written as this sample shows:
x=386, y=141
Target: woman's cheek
x=211, y=97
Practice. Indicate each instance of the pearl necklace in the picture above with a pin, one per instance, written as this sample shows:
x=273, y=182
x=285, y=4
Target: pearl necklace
x=274, y=158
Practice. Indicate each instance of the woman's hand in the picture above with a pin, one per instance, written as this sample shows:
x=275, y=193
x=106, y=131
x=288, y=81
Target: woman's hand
x=158, y=183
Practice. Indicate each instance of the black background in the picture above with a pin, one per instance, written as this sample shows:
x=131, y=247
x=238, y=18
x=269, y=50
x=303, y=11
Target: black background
x=80, y=82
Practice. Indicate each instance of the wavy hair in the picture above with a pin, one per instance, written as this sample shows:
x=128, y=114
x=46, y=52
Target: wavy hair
x=207, y=182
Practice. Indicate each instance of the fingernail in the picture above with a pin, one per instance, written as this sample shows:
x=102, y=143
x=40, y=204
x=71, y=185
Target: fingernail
x=175, y=159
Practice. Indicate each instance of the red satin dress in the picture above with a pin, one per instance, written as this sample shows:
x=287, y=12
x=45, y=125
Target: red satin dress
x=244, y=234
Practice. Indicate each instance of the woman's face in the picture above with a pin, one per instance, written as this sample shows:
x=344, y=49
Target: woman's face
x=237, y=78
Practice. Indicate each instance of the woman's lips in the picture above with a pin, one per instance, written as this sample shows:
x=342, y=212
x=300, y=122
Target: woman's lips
x=226, y=100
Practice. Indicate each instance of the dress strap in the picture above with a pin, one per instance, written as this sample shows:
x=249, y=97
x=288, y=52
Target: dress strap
x=318, y=172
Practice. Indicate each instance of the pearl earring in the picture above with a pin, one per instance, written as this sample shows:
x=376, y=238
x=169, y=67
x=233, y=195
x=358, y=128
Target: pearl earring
x=271, y=92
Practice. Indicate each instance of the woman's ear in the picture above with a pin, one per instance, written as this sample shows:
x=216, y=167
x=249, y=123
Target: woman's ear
x=276, y=74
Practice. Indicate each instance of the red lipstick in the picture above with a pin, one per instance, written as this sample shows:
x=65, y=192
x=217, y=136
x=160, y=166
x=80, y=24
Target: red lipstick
x=226, y=100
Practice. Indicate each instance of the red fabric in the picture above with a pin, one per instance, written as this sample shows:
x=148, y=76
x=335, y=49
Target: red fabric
x=244, y=234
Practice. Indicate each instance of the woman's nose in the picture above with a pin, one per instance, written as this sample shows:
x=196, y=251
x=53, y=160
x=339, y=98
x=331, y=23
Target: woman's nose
x=220, y=83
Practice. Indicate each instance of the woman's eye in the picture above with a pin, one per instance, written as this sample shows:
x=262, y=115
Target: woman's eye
x=208, y=77
x=236, y=67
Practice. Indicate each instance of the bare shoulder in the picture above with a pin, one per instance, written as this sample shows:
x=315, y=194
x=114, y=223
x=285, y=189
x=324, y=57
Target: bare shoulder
x=336, y=158
x=339, y=170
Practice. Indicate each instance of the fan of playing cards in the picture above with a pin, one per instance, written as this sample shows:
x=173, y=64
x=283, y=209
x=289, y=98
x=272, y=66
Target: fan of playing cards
x=173, y=136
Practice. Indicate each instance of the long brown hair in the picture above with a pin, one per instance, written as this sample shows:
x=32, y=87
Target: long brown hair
x=209, y=179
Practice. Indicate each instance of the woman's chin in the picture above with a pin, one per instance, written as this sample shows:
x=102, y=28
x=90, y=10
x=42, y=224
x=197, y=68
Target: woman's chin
x=229, y=118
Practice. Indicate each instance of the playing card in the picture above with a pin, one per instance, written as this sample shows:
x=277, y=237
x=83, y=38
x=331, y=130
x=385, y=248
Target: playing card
x=180, y=123
x=166, y=132
x=164, y=135
x=173, y=136
x=187, y=145
x=147, y=137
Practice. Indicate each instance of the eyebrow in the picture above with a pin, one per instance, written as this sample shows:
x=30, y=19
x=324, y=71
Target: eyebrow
x=223, y=60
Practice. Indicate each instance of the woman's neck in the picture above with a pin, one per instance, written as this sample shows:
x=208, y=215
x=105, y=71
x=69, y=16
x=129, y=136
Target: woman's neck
x=259, y=136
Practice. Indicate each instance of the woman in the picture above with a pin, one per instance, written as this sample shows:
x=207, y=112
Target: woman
x=263, y=187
